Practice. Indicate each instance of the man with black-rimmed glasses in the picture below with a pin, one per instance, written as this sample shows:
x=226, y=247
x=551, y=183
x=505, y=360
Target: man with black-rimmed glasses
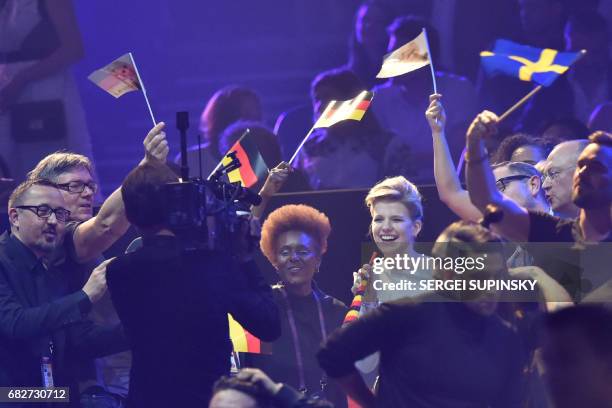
x=42, y=314
x=73, y=175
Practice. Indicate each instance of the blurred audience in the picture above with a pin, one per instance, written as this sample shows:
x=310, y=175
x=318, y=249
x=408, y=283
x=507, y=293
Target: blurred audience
x=521, y=147
x=228, y=105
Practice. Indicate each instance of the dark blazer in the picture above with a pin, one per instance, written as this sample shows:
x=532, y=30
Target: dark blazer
x=39, y=305
x=173, y=304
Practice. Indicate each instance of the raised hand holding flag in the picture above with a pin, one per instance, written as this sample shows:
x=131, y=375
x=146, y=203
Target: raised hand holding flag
x=120, y=77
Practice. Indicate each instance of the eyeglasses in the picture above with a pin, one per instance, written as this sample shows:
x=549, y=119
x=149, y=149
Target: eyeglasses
x=77, y=187
x=503, y=182
x=554, y=174
x=44, y=211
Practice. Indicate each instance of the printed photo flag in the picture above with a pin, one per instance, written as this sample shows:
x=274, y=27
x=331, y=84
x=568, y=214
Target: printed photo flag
x=117, y=78
x=409, y=57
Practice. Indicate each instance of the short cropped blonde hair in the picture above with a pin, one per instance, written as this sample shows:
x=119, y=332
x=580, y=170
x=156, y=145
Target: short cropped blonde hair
x=397, y=189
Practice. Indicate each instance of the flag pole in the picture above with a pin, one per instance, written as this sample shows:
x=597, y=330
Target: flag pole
x=246, y=132
x=433, y=72
x=531, y=94
x=520, y=103
x=301, y=145
x=144, y=91
x=327, y=109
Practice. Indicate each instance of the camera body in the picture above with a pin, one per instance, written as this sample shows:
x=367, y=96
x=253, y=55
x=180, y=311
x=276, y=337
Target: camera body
x=208, y=213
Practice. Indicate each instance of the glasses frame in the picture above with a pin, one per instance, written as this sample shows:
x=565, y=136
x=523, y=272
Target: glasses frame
x=36, y=209
x=93, y=186
x=504, y=181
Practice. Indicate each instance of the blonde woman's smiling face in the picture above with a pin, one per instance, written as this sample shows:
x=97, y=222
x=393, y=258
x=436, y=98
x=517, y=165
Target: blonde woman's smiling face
x=393, y=230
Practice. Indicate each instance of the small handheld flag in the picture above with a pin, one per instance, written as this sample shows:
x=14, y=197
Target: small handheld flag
x=337, y=111
x=252, y=165
x=542, y=66
x=526, y=63
x=245, y=342
x=120, y=77
x=409, y=57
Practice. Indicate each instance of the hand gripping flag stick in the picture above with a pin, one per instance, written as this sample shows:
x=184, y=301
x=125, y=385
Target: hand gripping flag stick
x=353, y=313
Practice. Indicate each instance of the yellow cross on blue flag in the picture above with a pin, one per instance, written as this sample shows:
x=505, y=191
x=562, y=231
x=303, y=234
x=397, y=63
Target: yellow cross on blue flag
x=526, y=63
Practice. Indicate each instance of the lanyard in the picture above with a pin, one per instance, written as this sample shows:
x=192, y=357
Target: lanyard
x=296, y=342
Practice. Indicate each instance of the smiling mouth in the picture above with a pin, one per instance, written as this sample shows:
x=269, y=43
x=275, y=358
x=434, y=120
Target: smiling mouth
x=388, y=238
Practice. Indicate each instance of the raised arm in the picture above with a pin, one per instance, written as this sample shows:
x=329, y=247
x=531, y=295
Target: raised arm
x=274, y=182
x=449, y=188
x=97, y=234
x=481, y=182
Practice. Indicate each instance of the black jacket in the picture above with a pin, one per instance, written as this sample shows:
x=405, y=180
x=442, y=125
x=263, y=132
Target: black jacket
x=39, y=305
x=173, y=304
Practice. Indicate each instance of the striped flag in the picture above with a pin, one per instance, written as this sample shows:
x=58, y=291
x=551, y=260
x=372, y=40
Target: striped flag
x=253, y=167
x=119, y=77
x=245, y=342
x=337, y=111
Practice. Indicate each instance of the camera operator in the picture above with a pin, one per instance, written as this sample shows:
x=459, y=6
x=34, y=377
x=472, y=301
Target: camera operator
x=174, y=301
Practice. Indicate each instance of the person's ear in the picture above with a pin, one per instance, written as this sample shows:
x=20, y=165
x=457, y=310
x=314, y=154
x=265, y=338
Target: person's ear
x=14, y=217
x=535, y=185
x=416, y=227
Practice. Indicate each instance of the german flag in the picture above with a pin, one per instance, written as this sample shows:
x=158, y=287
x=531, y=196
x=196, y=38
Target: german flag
x=245, y=342
x=252, y=166
x=337, y=111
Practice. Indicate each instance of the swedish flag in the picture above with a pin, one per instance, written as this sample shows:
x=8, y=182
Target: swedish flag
x=527, y=63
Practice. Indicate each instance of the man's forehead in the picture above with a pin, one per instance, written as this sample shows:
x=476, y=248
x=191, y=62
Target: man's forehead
x=37, y=195
x=76, y=174
x=502, y=171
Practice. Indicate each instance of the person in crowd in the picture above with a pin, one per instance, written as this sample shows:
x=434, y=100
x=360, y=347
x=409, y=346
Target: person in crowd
x=542, y=22
x=521, y=147
x=400, y=102
x=368, y=43
x=397, y=218
x=189, y=292
x=396, y=209
x=294, y=239
x=586, y=85
x=413, y=337
x=575, y=265
x=366, y=151
x=228, y=105
x=520, y=182
x=560, y=130
x=252, y=388
x=43, y=324
x=577, y=355
x=558, y=177
x=39, y=42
